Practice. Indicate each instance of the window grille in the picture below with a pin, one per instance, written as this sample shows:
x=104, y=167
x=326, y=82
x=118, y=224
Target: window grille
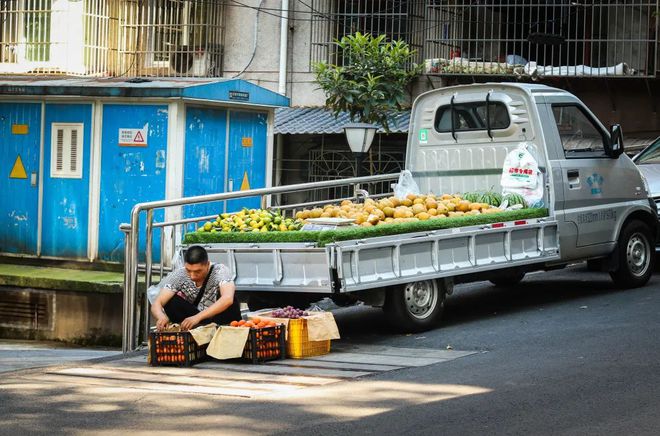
x=535, y=38
x=333, y=19
x=176, y=38
x=66, y=151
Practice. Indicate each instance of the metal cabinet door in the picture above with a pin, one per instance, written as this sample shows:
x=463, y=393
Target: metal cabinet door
x=248, y=135
x=205, y=160
x=19, y=189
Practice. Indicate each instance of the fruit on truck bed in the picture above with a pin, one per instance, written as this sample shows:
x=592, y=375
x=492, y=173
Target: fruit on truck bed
x=321, y=238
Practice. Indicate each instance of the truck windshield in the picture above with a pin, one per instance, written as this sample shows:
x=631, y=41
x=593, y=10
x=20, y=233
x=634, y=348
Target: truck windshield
x=472, y=116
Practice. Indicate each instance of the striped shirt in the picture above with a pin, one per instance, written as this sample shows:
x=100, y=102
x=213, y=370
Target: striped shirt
x=182, y=285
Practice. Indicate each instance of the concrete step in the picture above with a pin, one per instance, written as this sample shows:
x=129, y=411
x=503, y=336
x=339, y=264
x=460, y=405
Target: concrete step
x=52, y=278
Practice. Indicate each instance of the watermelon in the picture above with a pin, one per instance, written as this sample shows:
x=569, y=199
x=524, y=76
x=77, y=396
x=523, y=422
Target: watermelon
x=491, y=197
x=512, y=199
x=472, y=197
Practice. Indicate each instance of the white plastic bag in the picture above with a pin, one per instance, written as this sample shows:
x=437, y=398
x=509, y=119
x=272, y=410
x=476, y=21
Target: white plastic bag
x=154, y=290
x=406, y=185
x=521, y=175
x=152, y=293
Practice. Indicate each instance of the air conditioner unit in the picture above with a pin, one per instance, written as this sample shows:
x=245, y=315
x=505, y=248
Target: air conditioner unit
x=193, y=63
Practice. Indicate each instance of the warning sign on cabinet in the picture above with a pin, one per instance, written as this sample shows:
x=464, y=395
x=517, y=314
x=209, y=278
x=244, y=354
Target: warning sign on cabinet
x=133, y=137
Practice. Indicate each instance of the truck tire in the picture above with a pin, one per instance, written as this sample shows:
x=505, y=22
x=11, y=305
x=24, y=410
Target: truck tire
x=636, y=256
x=417, y=306
x=509, y=279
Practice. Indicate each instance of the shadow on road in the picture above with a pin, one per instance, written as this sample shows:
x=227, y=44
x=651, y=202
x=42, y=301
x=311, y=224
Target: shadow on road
x=480, y=300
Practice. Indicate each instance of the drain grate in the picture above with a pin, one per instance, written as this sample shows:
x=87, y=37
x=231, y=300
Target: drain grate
x=26, y=309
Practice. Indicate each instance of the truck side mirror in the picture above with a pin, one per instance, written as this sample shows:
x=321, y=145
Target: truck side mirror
x=616, y=142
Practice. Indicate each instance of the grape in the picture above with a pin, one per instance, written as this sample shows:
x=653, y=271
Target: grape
x=289, y=312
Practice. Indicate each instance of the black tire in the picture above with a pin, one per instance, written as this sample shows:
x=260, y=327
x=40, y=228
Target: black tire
x=509, y=279
x=415, y=307
x=636, y=256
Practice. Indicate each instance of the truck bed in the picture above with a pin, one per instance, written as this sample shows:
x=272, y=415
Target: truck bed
x=354, y=265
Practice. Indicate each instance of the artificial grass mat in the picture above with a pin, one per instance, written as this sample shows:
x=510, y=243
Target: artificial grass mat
x=324, y=237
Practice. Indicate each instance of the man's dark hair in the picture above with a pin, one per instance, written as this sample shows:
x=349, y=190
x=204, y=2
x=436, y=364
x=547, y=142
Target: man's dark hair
x=195, y=255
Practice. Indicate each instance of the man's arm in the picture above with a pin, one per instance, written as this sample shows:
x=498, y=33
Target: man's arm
x=227, y=290
x=157, y=310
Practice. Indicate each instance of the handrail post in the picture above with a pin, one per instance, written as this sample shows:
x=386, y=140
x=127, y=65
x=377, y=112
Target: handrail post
x=134, y=259
x=148, y=270
x=128, y=267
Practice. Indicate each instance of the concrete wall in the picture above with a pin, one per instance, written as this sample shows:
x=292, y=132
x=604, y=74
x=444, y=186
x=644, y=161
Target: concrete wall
x=86, y=318
x=241, y=24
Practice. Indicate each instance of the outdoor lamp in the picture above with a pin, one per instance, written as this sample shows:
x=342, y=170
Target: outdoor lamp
x=359, y=137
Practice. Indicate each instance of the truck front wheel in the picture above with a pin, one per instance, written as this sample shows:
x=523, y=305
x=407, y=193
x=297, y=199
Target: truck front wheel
x=417, y=306
x=636, y=256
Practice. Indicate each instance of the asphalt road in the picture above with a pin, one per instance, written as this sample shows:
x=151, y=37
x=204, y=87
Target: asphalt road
x=562, y=353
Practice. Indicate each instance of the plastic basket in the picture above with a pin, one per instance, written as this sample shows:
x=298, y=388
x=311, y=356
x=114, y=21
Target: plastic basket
x=297, y=344
x=264, y=344
x=175, y=349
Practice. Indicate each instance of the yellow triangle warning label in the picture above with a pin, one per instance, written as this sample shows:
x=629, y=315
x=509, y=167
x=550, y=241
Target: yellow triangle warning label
x=18, y=170
x=138, y=137
x=245, y=184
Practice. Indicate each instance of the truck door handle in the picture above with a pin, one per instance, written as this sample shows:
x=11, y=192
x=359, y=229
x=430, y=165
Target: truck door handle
x=573, y=177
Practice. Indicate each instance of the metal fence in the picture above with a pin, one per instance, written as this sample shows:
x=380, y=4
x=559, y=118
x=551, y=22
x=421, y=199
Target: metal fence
x=136, y=306
x=587, y=38
x=112, y=38
x=333, y=19
x=331, y=164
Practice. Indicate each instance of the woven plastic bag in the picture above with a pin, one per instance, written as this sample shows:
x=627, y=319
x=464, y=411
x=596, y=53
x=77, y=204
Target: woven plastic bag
x=521, y=175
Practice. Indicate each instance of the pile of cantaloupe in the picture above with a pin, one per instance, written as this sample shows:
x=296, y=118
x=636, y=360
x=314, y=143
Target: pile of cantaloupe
x=394, y=210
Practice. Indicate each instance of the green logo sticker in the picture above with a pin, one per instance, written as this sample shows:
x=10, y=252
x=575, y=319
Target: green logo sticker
x=423, y=136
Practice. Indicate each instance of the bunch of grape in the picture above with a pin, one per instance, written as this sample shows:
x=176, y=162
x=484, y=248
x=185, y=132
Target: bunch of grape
x=288, y=312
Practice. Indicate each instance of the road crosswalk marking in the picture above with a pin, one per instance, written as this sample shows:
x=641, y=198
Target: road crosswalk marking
x=238, y=379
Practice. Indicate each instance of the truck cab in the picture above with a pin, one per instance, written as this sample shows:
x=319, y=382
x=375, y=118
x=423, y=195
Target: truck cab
x=459, y=137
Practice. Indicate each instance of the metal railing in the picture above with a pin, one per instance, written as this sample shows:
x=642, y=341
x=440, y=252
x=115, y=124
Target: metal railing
x=162, y=38
x=132, y=318
x=611, y=38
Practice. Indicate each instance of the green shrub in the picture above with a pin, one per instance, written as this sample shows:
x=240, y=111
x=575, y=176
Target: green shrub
x=324, y=237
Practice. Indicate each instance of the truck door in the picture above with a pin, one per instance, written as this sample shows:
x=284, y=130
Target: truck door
x=594, y=185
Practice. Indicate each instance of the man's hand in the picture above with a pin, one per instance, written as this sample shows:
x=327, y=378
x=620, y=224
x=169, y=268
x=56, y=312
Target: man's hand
x=190, y=322
x=162, y=323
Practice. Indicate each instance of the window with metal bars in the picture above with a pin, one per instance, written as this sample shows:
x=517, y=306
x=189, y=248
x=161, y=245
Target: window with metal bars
x=542, y=38
x=112, y=37
x=333, y=19
x=26, y=30
x=66, y=150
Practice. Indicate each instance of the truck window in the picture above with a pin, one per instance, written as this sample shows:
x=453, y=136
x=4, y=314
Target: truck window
x=472, y=116
x=580, y=137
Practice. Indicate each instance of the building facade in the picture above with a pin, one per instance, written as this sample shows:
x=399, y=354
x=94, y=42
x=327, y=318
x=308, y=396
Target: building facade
x=606, y=52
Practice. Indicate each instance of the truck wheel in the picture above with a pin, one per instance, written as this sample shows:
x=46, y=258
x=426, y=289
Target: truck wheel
x=508, y=279
x=417, y=306
x=636, y=256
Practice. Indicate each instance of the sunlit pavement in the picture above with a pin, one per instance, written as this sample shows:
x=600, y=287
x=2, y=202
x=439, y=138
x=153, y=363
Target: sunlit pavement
x=562, y=353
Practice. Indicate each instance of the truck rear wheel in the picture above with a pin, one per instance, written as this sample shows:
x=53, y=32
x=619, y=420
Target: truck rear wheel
x=417, y=306
x=636, y=256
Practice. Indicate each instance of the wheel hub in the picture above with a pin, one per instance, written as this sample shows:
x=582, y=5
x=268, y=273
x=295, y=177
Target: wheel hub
x=421, y=298
x=637, y=254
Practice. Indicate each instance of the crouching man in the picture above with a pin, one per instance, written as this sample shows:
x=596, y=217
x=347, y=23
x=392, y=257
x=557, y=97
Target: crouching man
x=198, y=293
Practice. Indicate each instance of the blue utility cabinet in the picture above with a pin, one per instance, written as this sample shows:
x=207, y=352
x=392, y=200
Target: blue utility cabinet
x=77, y=154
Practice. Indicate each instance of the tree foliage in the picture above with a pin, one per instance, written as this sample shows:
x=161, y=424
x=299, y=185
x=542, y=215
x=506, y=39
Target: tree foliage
x=372, y=80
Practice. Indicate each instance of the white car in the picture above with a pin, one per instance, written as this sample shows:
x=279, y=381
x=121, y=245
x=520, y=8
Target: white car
x=648, y=161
